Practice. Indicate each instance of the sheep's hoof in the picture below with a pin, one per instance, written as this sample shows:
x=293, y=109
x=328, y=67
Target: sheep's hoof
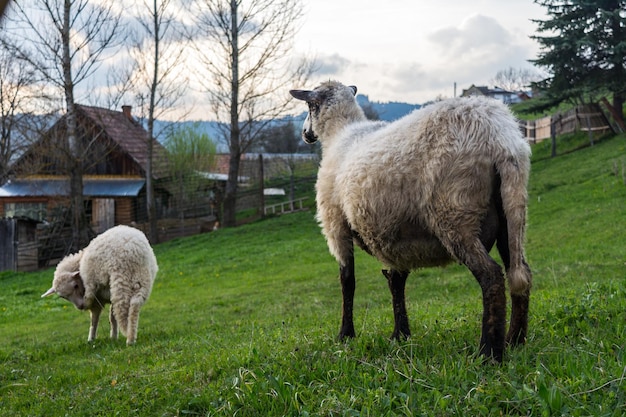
x=396, y=335
x=346, y=335
x=492, y=356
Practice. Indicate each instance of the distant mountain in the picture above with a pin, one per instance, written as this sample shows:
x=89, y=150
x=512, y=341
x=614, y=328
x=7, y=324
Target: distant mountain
x=389, y=111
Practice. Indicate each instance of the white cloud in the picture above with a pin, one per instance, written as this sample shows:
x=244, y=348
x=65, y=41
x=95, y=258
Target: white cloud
x=331, y=64
x=415, y=51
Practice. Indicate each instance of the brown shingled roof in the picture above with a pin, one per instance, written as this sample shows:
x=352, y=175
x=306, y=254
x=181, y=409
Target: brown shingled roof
x=129, y=135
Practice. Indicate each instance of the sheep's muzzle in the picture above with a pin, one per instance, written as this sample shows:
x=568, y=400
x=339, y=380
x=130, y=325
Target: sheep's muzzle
x=309, y=137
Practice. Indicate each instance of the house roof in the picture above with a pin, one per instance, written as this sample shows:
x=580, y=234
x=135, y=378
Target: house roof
x=61, y=187
x=129, y=135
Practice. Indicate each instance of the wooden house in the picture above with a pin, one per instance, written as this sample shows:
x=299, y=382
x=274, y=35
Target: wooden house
x=507, y=97
x=114, y=171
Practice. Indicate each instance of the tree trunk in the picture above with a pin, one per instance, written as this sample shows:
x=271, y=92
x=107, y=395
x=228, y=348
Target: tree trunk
x=150, y=198
x=618, y=116
x=618, y=105
x=230, y=195
x=79, y=220
x=261, y=187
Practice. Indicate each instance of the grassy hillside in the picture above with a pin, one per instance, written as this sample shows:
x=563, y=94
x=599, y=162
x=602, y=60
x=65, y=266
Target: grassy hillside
x=243, y=322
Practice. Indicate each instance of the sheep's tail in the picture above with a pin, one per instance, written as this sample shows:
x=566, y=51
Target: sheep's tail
x=514, y=171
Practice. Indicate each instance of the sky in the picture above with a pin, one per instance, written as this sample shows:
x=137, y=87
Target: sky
x=416, y=50
x=410, y=51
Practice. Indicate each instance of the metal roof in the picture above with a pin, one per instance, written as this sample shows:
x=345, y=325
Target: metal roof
x=61, y=187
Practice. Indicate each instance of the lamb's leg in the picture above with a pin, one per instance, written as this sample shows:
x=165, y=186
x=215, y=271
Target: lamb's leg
x=397, y=281
x=133, y=319
x=346, y=276
x=95, y=318
x=113, y=322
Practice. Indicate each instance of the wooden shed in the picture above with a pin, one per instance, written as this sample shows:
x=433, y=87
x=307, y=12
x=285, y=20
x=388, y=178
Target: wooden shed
x=114, y=171
x=18, y=245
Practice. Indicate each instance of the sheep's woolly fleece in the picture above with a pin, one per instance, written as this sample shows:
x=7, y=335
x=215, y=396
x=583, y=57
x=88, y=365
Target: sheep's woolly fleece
x=120, y=260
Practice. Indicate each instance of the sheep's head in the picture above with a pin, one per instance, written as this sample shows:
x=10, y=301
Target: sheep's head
x=67, y=282
x=321, y=101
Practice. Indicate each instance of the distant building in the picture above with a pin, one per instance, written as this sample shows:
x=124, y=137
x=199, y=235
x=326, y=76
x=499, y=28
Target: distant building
x=114, y=171
x=507, y=97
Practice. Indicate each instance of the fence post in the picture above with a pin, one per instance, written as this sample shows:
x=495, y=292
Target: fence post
x=553, y=136
x=261, y=186
x=588, y=120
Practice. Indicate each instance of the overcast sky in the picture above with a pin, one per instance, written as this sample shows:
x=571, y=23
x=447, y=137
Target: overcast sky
x=415, y=50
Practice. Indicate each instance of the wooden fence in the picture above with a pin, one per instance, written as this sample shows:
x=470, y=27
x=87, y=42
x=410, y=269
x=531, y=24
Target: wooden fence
x=285, y=207
x=587, y=118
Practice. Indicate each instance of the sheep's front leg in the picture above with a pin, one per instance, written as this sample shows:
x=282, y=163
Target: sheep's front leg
x=95, y=318
x=348, y=284
x=113, y=322
x=397, y=282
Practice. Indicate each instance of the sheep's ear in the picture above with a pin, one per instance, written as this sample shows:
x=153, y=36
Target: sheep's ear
x=353, y=87
x=49, y=292
x=304, y=95
x=75, y=274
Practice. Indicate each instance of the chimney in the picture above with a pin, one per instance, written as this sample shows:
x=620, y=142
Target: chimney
x=126, y=110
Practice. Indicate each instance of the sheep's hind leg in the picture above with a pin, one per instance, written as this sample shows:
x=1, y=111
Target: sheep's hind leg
x=95, y=318
x=489, y=275
x=113, y=322
x=518, y=327
x=348, y=283
x=491, y=279
x=397, y=282
x=133, y=319
x=519, y=319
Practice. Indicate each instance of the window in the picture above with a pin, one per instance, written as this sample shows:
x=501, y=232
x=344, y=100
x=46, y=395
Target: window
x=35, y=211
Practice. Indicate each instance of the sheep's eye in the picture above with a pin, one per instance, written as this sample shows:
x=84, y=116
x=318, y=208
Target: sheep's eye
x=75, y=286
x=314, y=107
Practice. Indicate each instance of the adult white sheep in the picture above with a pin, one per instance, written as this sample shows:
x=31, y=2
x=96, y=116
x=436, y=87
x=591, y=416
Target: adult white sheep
x=117, y=267
x=443, y=183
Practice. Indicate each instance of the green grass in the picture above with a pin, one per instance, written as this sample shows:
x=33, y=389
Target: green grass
x=243, y=322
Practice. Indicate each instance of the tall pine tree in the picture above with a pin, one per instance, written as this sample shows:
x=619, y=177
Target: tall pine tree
x=584, y=50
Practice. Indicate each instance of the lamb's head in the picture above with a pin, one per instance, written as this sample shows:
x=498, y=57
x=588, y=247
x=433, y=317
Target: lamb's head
x=67, y=282
x=332, y=105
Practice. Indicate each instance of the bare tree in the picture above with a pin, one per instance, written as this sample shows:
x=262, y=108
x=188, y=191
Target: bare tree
x=281, y=137
x=16, y=80
x=515, y=79
x=158, y=78
x=244, y=48
x=65, y=41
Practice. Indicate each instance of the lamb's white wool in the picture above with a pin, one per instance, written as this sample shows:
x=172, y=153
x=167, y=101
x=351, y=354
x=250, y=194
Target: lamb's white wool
x=444, y=182
x=117, y=267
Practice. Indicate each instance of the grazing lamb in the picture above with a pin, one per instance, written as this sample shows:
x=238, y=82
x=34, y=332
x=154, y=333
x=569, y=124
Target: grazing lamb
x=117, y=267
x=443, y=183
